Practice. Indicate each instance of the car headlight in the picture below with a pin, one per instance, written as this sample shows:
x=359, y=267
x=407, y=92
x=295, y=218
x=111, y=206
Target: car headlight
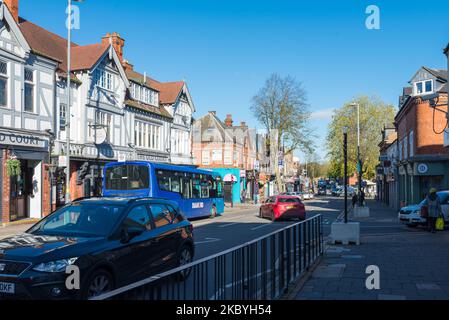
x=418, y=212
x=55, y=266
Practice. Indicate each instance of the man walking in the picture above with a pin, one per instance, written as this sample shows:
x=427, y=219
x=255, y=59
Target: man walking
x=434, y=209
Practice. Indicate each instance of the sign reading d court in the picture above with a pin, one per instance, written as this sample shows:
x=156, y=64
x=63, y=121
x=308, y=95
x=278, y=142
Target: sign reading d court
x=23, y=140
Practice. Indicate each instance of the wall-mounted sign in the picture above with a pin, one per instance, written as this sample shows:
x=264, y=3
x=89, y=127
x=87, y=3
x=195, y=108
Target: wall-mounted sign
x=62, y=161
x=23, y=140
x=100, y=135
x=422, y=168
x=121, y=157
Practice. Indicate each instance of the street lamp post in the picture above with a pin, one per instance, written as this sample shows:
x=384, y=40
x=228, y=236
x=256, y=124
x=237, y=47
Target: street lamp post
x=69, y=98
x=359, y=161
x=345, y=152
x=69, y=114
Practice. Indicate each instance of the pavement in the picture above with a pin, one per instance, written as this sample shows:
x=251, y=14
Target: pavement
x=413, y=263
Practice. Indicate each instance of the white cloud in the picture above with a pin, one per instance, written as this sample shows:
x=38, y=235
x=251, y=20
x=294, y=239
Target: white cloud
x=325, y=114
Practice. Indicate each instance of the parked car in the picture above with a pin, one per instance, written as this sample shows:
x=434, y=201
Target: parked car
x=112, y=241
x=411, y=215
x=283, y=207
x=297, y=194
x=351, y=192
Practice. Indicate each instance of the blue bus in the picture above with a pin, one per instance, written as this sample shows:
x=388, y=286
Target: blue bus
x=199, y=193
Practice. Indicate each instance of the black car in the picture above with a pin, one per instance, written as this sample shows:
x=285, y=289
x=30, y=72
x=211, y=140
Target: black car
x=112, y=241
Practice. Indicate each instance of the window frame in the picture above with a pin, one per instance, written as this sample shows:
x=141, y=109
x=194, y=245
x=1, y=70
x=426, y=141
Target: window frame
x=29, y=83
x=5, y=77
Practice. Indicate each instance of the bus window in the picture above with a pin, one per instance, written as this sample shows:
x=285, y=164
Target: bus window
x=131, y=177
x=186, y=182
x=138, y=177
x=205, y=187
x=196, y=186
x=219, y=183
x=163, y=180
x=212, y=187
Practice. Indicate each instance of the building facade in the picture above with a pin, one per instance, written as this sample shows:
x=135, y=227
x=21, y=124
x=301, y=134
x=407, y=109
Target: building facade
x=387, y=187
x=115, y=114
x=27, y=99
x=423, y=158
x=232, y=151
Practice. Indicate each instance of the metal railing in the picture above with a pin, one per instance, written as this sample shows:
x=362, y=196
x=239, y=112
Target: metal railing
x=261, y=269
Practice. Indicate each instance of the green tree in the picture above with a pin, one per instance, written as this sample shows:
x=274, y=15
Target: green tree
x=281, y=106
x=374, y=116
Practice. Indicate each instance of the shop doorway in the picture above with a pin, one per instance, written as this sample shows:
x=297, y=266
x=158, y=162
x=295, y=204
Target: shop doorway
x=228, y=191
x=22, y=191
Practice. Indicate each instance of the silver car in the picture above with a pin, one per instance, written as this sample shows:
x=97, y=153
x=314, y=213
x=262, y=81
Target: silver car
x=411, y=215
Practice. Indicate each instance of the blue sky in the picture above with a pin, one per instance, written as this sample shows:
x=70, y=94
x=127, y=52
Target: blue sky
x=226, y=49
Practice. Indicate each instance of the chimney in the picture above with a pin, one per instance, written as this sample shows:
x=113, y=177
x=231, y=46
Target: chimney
x=229, y=121
x=126, y=65
x=13, y=6
x=243, y=124
x=117, y=42
x=213, y=112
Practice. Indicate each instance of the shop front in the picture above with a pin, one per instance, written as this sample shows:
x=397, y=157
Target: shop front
x=24, y=176
x=418, y=177
x=233, y=183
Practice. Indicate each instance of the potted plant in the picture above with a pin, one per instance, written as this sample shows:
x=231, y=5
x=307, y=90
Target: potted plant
x=13, y=168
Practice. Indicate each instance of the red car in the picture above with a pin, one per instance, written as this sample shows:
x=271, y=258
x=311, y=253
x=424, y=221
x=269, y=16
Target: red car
x=283, y=207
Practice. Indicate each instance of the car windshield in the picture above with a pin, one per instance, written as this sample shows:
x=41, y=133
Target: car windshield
x=288, y=200
x=80, y=220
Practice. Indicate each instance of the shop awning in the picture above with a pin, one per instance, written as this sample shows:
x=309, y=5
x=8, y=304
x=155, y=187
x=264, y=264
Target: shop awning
x=230, y=178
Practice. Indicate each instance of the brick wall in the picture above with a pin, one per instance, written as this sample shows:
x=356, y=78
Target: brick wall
x=427, y=141
x=46, y=194
x=5, y=192
x=419, y=117
x=76, y=191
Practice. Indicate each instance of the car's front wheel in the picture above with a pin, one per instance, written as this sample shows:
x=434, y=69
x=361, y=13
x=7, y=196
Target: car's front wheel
x=100, y=282
x=185, y=257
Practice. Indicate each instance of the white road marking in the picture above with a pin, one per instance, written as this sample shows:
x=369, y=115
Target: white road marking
x=262, y=226
x=228, y=225
x=208, y=240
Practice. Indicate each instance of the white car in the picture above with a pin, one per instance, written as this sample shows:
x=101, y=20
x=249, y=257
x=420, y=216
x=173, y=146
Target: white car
x=411, y=215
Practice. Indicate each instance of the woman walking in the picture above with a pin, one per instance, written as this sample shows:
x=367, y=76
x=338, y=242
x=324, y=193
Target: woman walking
x=434, y=205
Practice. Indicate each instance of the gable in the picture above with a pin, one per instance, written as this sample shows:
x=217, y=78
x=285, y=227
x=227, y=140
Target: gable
x=111, y=60
x=11, y=38
x=422, y=75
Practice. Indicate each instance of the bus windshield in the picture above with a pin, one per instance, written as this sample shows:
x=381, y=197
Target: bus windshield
x=127, y=177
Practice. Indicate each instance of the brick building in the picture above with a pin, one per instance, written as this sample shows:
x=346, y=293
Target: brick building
x=229, y=150
x=423, y=156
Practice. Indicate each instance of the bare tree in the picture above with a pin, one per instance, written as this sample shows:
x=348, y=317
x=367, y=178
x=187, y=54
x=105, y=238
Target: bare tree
x=281, y=106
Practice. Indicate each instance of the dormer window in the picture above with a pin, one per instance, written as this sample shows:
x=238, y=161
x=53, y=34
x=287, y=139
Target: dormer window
x=104, y=79
x=144, y=94
x=423, y=87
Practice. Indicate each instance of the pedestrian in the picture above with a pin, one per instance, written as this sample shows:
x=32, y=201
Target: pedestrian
x=434, y=209
x=354, y=200
x=362, y=198
x=243, y=196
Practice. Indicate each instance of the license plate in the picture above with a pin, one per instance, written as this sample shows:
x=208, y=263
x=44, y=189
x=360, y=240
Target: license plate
x=7, y=287
x=290, y=207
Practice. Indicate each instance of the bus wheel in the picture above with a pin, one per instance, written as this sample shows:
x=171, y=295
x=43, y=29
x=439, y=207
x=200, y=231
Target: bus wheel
x=214, y=211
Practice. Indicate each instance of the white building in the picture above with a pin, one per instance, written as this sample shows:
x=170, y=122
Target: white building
x=27, y=100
